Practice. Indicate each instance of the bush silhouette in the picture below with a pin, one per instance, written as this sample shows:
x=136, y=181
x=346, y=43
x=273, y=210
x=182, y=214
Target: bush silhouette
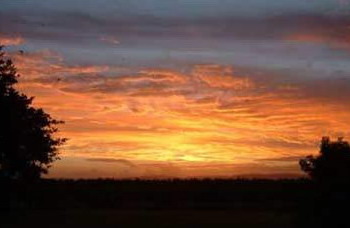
x=27, y=142
x=332, y=165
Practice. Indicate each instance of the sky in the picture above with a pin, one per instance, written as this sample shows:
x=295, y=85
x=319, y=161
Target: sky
x=180, y=88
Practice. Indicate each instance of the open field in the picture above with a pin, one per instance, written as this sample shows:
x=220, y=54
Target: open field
x=169, y=203
x=153, y=218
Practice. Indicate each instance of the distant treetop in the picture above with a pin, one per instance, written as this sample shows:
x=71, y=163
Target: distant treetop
x=332, y=165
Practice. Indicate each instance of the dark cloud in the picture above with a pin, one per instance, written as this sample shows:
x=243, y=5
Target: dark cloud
x=71, y=26
x=110, y=160
x=281, y=159
x=334, y=90
x=261, y=142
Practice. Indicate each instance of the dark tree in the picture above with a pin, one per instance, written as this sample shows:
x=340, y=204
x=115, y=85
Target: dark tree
x=332, y=164
x=27, y=142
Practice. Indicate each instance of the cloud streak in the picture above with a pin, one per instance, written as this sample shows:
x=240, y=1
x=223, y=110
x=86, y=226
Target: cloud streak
x=10, y=40
x=209, y=114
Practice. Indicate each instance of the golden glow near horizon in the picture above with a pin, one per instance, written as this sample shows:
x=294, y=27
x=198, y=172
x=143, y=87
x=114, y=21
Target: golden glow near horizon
x=208, y=121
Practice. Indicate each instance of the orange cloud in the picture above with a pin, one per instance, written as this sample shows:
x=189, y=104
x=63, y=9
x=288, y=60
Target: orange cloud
x=10, y=41
x=209, y=121
x=45, y=63
x=342, y=41
x=221, y=77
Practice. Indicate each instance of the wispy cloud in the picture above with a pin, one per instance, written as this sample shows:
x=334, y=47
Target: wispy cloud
x=110, y=40
x=10, y=40
x=110, y=160
x=207, y=114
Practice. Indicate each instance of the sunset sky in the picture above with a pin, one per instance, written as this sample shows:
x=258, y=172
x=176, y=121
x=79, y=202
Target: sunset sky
x=181, y=88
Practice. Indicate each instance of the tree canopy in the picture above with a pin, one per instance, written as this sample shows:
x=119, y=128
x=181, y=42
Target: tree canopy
x=332, y=164
x=27, y=134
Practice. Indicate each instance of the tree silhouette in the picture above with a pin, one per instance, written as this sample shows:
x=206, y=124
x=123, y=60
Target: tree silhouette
x=27, y=142
x=333, y=163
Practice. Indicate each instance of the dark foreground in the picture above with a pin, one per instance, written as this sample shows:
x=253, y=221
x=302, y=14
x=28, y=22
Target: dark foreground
x=173, y=203
x=153, y=218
